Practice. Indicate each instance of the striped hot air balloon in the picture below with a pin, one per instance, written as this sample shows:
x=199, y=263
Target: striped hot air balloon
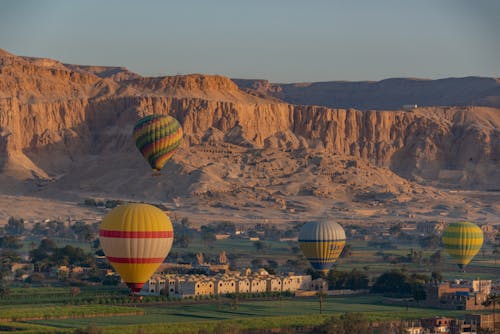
x=136, y=238
x=462, y=241
x=157, y=137
x=322, y=243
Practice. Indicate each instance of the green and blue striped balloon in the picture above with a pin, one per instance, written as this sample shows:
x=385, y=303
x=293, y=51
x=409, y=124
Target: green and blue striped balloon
x=157, y=137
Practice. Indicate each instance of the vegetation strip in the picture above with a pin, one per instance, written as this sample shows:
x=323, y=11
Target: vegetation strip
x=65, y=312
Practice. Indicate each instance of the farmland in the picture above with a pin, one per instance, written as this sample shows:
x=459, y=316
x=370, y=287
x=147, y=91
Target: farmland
x=250, y=314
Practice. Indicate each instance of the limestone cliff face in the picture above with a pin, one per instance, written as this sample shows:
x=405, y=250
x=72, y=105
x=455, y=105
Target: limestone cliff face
x=54, y=117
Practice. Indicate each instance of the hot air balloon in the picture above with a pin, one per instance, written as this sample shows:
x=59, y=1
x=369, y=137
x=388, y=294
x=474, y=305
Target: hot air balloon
x=322, y=243
x=157, y=137
x=136, y=238
x=462, y=241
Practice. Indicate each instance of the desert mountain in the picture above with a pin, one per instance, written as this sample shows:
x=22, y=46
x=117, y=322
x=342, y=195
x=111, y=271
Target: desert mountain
x=65, y=133
x=389, y=94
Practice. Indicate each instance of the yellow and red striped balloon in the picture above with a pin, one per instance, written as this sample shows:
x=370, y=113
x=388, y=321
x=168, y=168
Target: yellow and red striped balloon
x=157, y=137
x=136, y=238
x=462, y=241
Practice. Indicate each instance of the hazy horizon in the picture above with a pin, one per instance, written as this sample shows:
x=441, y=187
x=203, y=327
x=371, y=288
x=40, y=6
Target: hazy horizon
x=279, y=41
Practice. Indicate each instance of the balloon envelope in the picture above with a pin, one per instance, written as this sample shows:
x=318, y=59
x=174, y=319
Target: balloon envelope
x=322, y=243
x=462, y=241
x=136, y=238
x=157, y=137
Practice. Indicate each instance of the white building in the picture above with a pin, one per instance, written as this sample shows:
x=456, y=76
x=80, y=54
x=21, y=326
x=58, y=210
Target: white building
x=198, y=285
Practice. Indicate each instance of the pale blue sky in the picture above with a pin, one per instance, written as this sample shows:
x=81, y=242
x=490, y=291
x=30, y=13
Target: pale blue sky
x=283, y=41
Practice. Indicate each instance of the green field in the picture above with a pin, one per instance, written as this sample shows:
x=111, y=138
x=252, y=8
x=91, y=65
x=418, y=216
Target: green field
x=61, y=295
x=9, y=313
x=301, y=310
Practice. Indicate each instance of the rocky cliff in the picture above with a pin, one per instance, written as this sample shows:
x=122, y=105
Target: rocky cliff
x=71, y=125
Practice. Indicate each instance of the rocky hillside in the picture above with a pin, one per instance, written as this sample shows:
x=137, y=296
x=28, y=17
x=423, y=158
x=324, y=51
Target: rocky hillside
x=67, y=128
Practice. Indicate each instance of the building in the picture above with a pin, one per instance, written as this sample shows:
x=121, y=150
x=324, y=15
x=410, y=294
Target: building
x=243, y=285
x=409, y=106
x=437, y=324
x=273, y=284
x=224, y=284
x=258, y=284
x=194, y=286
x=484, y=321
x=233, y=282
x=294, y=282
x=432, y=227
x=458, y=295
x=481, y=286
x=415, y=330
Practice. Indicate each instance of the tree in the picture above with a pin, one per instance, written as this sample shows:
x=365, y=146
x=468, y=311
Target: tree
x=346, y=252
x=225, y=227
x=492, y=300
x=436, y=277
x=418, y=292
x=395, y=229
x=314, y=274
x=113, y=280
x=347, y=323
x=91, y=329
x=257, y=263
x=47, y=245
x=272, y=264
x=15, y=226
x=39, y=229
x=432, y=241
x=10, y=242
x=392, y=282
x=4, y=289
x=183, y=240
x=354, y=279
x=259, y=245
x=74, y=291
x=7, y=258
x=185, y=223
x=208, y=237
x=435, y=258
x=83, y=232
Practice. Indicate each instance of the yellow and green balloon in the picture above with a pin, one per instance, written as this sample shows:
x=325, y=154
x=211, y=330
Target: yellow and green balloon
x=462, y=241
x=322, y=243
x=136, y=238
x=157, y=137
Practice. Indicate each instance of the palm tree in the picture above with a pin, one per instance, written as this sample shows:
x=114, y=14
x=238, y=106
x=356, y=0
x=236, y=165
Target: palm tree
x=493, y=298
